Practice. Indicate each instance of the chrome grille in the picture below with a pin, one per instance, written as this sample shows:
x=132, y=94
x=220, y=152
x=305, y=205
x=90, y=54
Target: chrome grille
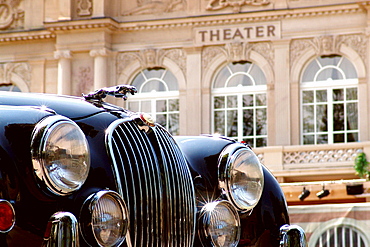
x=153, y=178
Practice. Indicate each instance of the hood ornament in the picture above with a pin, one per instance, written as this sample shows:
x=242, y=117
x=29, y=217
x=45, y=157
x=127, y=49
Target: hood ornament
x=119, y=91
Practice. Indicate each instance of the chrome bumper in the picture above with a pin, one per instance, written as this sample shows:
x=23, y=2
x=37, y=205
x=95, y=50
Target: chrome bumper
x=61, y=231
x=292, y=236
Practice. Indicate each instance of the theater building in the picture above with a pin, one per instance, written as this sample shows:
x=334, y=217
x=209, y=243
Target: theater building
x=289, y=77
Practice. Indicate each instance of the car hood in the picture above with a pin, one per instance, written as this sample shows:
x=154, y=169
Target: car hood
x=69, y=106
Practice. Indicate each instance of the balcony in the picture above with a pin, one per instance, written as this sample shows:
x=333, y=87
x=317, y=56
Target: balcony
x=315, y=167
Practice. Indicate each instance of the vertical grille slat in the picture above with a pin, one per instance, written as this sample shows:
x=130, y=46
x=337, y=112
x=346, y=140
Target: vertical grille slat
x=154, y=180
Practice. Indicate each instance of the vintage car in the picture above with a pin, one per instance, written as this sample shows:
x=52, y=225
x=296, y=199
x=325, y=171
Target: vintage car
x=77, y=171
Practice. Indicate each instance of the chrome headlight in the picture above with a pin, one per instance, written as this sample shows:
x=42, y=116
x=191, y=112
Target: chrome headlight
x=60, y=153
x=241, y=176
x=104, y=219
x=219, y=224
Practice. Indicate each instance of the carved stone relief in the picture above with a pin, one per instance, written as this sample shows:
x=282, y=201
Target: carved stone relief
x=235, y=4
x=85, y=82
x=329, y=45
x=14, y=73
x=11, y=16
x=236, y=52
x=151, y=58
x=84, y=8
x=144, y=7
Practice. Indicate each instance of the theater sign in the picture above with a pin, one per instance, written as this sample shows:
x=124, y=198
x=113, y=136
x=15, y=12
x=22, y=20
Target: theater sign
x=241, y=33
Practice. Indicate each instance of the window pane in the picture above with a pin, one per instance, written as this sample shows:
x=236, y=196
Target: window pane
x=329, y=74
x=322, y=139
x=162, y=119
x=232, y=101
x=248, y=100
x=219, y=122
x=222, y=78
x=232, y=123
x=261, y=142
x=338, y=117
x=310, y=72
x=239, y=79
x=339, y=138
x=248, y=120
x=352, y=137
x=308, y=119
x=258, y=75
x=219, y=102
x=261, y=99
x=146, y=106
x=161, y=105
x=348, y=69
x=173, y=104
x=261, y=120
x=338, y=94
x=322, y=118
x=153, y=86
x=171, y=81
x=173, y=123
x=351, y=94
x=307, y=96
x=133, y=105
x=321, y=96
x=308, y=139
x=352, y=116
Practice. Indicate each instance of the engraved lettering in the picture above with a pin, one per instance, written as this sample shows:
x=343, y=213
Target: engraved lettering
x=227, y=34
x=203, y=33
x=238, y=34
x=270, y=30
x=216, y=35
x=248, y=29
x=259, y=31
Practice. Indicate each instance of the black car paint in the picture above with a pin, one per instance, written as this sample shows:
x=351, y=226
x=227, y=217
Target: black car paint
x=261, y=226
x=34, y=204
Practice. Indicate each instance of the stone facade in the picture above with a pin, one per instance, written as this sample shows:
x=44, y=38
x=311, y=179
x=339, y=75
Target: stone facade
x=73, y=47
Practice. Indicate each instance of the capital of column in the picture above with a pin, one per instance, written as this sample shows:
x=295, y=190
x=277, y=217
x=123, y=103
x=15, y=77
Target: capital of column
x=63, y=54
x=102, y=52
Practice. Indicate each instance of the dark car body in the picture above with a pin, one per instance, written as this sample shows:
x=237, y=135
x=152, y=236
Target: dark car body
x=163, y=182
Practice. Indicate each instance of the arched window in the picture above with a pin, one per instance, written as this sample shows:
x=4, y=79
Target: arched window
x=9, y=87
x=158, y=95
x=341, y=236
x=329, y=101
x=240, y=104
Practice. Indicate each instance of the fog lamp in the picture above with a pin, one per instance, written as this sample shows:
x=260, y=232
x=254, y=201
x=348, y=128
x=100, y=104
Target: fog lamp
x=104, y=219
x=219, y=224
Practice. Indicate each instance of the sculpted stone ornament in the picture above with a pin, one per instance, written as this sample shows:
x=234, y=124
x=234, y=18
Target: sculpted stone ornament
x=119, y=91
x=236, y=4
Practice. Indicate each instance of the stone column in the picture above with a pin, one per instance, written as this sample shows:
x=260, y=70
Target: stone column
x=100, y=67
x=64, y=71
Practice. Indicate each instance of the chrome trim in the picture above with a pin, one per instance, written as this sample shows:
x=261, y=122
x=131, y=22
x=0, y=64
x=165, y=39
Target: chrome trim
x=224, y=162
x=292, y=236
x=153, y=178
x=39, y=136
x=204, y=221
x=86, y=214
x=62, y=231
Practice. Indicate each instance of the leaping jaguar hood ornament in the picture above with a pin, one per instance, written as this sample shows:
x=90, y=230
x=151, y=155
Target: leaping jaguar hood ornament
x=119, y=91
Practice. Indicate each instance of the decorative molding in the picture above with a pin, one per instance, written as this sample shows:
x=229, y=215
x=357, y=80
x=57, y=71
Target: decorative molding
x=151, y=58
x=206, y=21
x=11, y=16
x=84, y=79
x=22, y=70
x=102, y=52
x=84, y=8
x=235, y=4
x=329, y=45
x=237, y=51
x=156, y=7
x=63, y=54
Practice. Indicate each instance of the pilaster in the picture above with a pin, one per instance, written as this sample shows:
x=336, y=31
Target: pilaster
x=100, y=67
x=64, y=71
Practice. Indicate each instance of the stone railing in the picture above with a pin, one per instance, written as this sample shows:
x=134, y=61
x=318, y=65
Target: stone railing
x=309, y=157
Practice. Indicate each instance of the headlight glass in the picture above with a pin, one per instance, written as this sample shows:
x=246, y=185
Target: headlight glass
x=220, y=224
x=241, y=177
x=106, y=219
x=61, y=154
